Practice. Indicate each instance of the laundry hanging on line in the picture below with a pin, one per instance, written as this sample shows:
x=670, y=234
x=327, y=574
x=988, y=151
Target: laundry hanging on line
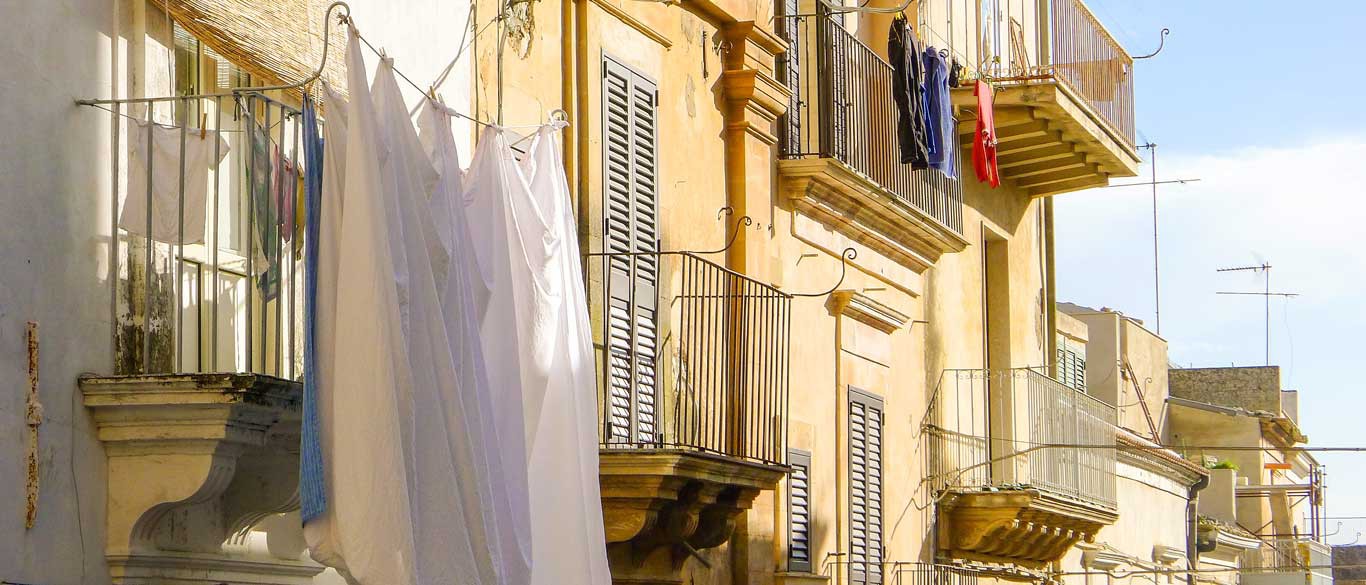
x=169, y=210
x=908, y=81
x=430, y=441
x=939, y=122
x=984, y=138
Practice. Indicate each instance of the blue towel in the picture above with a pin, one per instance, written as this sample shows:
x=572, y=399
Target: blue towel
x=312, y=492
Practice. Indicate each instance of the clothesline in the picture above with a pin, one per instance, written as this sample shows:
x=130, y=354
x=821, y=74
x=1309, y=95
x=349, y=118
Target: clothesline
x=428, y=94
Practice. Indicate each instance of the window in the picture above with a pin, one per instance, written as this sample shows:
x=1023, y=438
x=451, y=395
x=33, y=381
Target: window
x=799, y=511
x=630, y=209
x=1071, y=364
x=865, y=487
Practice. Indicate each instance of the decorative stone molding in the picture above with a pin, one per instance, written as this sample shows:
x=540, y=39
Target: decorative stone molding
x=660, y=507
x=842, y=199
x=1027, y=527
x=867, y=310
x=1168, y=555
x=194, y=459
x=1103, y=559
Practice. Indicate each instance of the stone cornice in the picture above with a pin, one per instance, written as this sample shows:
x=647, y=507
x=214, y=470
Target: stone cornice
x=868, y=311
x=835, y=195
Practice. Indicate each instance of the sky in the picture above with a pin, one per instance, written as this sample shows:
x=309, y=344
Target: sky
x=1258, y=100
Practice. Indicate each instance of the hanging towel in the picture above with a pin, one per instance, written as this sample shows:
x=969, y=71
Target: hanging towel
x=319, y=528
x=260, y=175
x=285, y=197
x=366, y=531
x=535, y=329
x=312, y=496
x=984, y=139
x=507, y=513
x=940, y=125
x=903, y=48
x=165, y=185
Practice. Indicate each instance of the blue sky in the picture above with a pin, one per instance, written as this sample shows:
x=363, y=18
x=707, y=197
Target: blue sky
x=1260, y=101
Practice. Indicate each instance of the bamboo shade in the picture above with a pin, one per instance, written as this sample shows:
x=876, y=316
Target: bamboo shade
x=279, y=41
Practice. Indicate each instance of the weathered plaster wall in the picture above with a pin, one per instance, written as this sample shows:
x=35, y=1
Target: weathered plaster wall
x=1152, y=508
x=1252, y=387
x=55, y=185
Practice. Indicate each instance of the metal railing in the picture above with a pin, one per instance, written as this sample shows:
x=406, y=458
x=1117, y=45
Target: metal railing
x=842, y=108
x=228, y=300
x=694, y=357
x=1020, y=427
x=918, y=573
x=1087, y=58
x=1287, y=555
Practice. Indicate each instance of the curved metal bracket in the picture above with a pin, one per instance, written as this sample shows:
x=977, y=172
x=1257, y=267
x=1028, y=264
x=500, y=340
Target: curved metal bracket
x=845, y=256
x=1161, y=42
x=744, y=219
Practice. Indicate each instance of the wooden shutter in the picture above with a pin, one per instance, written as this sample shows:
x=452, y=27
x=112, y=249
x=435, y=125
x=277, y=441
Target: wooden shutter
x=865, y=487
x=799, y=511
x=630, y=211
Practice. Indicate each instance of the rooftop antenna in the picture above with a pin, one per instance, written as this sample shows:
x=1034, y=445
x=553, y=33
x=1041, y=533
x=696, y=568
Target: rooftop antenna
x=1266, y=294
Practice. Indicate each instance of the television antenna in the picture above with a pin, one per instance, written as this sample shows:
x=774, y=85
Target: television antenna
x=1266, y=294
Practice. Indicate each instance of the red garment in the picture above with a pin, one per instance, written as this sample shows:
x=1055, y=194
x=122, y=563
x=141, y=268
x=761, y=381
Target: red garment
x=984, y=140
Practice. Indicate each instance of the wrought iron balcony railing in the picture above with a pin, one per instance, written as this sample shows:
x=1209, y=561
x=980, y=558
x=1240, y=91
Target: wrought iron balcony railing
x=1020, y=427
x=694, y=356
x=842, y=109
x=229, y=300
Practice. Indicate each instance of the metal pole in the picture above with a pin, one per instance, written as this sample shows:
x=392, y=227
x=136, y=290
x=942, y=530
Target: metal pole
x=1157, y=283
x=1267, y=298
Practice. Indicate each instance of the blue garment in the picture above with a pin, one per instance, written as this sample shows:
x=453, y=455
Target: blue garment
x=312, y=493
x=941, y=135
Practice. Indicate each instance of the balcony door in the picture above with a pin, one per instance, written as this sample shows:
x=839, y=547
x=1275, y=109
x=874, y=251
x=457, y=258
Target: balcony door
x=630, y=239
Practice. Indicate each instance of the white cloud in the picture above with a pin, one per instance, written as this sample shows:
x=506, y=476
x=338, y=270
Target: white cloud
x=1300, y=208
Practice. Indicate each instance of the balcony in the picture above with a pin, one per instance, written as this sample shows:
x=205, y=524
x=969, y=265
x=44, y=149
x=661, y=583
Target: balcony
x=838, y=150
x=1064, y=116
x=1288, y=561
x=1003, y=456
x=200, y=413
x=694, y=405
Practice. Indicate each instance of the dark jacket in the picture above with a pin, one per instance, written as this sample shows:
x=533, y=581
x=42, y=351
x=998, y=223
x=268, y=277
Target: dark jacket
x=908, y=80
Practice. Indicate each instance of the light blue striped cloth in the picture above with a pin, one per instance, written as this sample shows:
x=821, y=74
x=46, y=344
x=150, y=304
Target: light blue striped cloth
x=312, y=492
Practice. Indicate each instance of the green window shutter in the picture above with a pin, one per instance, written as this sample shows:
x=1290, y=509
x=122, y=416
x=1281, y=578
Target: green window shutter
x=630, y=213
x=865, y=488
x=799, y=511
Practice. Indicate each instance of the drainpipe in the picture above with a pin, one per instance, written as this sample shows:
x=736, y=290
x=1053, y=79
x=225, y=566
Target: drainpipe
x=1050, y=294
x=1193, y=526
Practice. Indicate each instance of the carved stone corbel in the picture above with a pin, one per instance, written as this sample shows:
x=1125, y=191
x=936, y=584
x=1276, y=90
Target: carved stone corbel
x=193, y=459
x=661, y=507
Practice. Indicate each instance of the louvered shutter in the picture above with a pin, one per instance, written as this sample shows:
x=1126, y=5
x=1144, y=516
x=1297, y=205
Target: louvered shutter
x=630, y=210
x=865, y=487
x=799, y=511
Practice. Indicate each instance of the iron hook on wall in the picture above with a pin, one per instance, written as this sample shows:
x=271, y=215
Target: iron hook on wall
x=845, y=257
x=744, y=219
x=1161, y=42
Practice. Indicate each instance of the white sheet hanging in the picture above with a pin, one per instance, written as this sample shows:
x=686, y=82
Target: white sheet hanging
x=504, y=499
x=447, y=457
x=166, y=173
x=367, y=530
x=535, y=329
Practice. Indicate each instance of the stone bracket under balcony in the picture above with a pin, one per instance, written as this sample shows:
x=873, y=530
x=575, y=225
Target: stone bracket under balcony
x=660, y=507
x=1049, y=141
x=192, y=460
x=1025, y=527
x=840, y=198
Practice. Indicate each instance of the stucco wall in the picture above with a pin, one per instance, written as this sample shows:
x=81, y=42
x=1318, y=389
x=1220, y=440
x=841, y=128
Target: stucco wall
x=1152, y=508
x=55, y=179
